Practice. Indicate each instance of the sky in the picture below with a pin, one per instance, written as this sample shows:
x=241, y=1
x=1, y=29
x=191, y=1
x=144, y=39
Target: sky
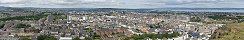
x=124, y=3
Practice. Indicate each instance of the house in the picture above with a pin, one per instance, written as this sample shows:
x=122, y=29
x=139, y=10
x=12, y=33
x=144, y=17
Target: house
x=65, y=38
x=8, y=37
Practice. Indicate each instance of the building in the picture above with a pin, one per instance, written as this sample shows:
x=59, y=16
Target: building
x=8, y=37
x=4, y=32
x=65, y=38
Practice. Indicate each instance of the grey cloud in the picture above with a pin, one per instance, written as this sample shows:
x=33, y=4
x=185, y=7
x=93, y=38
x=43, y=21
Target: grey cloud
x=124, y=3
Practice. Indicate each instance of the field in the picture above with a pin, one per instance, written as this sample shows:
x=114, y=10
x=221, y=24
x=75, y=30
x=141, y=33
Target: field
x=232, y=31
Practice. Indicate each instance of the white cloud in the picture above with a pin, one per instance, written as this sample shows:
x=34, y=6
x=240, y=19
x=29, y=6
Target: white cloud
x=120, y=3
x=12, y=1
x=98, y=0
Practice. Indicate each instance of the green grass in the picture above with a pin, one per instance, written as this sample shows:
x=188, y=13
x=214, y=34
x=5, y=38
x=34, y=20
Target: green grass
x=236, y=31
x=35, y=17
x=31, y=17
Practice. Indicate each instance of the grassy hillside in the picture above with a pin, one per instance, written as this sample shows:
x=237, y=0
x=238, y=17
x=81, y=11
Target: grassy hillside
x=232, y=31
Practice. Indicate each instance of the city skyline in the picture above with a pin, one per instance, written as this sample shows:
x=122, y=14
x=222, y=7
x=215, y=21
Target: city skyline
x=124, y=3
x=121, y=20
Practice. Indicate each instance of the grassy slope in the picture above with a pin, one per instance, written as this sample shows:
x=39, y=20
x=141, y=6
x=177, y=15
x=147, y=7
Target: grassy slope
x=236, y=32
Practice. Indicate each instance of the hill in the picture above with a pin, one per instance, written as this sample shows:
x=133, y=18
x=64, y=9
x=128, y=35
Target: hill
x=232, y=31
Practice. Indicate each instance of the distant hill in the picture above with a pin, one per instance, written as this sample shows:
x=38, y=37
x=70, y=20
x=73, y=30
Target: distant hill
x=116, y=9
x=10, y=9
x=199, y=8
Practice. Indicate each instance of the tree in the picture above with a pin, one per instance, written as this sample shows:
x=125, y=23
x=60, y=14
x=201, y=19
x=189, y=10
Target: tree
x=41, y=37
x=23, y=26
x=46, y=37
x=76, y=38
x=1, y=26
x=88, y=38
x=154, y=36
x=196, y=19
x=25, y=38
x=50, y=38
x=30, y=17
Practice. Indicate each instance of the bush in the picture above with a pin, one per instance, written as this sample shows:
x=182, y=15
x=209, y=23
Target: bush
x=1, y=26
x=76, y=38
x=23, y=26
x=154, y=36
x=196, y=19
x=25, y=39
x=46, y=37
